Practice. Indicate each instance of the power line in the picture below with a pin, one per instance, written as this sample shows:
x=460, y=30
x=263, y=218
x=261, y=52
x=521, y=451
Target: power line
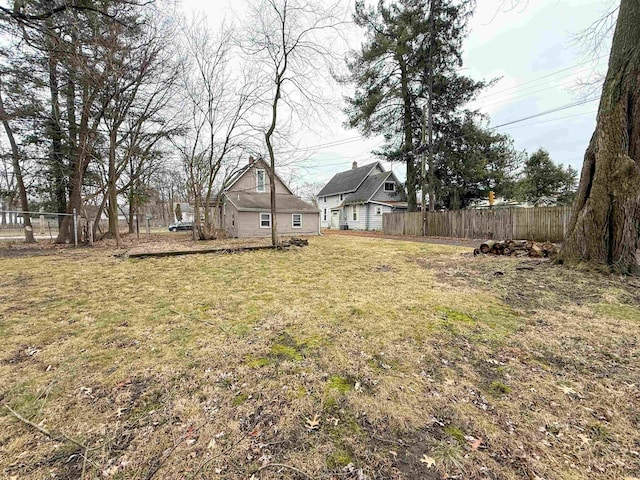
x=554, y=110
x=541, y=78
x=525, y=95
x=554, y=119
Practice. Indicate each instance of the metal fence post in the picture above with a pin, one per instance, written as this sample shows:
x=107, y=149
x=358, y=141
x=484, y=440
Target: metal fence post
x=75, y=227
x=41, y=221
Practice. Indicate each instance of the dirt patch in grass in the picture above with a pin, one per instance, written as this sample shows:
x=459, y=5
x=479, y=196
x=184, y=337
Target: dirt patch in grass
x=350, y=358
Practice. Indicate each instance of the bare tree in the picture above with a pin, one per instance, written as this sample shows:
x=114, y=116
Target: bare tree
x=220, y=101
x=293, y=44
x=142, y=77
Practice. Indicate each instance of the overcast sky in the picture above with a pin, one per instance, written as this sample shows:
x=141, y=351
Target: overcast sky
x=532, y=50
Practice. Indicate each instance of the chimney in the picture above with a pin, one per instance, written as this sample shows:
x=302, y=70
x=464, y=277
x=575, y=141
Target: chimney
x=250, y=159
x=354, y=165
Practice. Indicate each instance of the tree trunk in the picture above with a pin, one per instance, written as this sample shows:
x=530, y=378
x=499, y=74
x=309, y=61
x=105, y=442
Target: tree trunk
x=272, y=162
x=605, y=226
x=56, y=158
x=432, y=39
x=408, y=136
x=80, y=155
x=112, y=191
x=96, y=220
x=17, y=169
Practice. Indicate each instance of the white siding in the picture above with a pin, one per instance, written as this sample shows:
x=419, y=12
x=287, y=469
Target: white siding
x=360, y=223
x=332, y=202
x=375, y=221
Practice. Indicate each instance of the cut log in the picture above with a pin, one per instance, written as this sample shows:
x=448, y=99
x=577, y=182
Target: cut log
x=208, y=250
x=487, y=246
x=549, y=249
x=536, y=251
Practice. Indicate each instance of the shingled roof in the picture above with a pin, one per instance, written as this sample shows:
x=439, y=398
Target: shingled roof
x=348, y=181
x=370, y=186
x=259, y=202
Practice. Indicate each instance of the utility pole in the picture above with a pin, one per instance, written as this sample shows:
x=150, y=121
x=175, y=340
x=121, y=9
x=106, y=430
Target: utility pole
x=423, y=174
x=432, y=35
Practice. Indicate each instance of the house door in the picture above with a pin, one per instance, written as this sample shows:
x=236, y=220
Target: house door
x=335, y=219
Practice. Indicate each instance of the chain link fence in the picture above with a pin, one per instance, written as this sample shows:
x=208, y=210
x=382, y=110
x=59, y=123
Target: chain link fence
x=45, y=225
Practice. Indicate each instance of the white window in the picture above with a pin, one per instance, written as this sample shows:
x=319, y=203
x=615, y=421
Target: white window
x=324, y=199
x=296, y=220
x=261, y=183
x=341, y=197
x=389, y=186
x=265, y=220
x=378, y=210
x=324, y=215
x=355, y=213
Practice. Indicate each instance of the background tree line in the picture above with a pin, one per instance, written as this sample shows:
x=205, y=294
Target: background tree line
x=111, y=103
x=407, y=80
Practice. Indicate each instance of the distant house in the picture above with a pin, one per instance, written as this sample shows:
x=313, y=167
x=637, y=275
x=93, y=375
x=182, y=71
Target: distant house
x=357, y=198
x=246, y=205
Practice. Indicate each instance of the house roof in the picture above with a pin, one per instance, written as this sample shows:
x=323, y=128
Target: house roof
x=348, y=181
x=393, y=204
x=259, y=202
x=368, y=188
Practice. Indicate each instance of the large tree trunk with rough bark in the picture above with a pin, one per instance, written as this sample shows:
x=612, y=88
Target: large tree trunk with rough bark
x=605, y=227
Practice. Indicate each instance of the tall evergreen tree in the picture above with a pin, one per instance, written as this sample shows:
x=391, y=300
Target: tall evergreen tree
x=412, y=48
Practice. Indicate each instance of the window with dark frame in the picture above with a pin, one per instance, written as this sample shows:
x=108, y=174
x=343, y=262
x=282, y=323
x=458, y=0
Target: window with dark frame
x=389, y=186
x=261, y=184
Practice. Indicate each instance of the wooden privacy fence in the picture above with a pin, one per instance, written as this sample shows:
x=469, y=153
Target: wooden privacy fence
x=539, y=224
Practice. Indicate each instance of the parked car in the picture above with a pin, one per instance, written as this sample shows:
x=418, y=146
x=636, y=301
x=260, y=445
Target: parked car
x=174, y=227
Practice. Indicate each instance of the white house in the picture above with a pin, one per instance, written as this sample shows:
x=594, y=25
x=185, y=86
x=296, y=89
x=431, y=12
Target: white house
x=357, y=198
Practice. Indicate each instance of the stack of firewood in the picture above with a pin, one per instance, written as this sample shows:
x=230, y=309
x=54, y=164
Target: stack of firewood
x=297, y=242
x=517, y=248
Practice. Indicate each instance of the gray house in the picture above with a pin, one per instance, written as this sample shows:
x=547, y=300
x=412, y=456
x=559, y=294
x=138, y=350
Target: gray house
x=246, y=205
x=356, y=199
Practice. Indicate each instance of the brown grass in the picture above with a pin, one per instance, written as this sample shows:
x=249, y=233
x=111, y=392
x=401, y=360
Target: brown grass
x=350, y=358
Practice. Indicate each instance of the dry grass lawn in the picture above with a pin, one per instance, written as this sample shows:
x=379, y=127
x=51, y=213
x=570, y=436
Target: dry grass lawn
x=352, y=358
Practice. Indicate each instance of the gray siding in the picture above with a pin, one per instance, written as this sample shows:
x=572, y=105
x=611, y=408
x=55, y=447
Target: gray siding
x=248, y=225
x=382, y=196
x=247, y=182
x=230, y=219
